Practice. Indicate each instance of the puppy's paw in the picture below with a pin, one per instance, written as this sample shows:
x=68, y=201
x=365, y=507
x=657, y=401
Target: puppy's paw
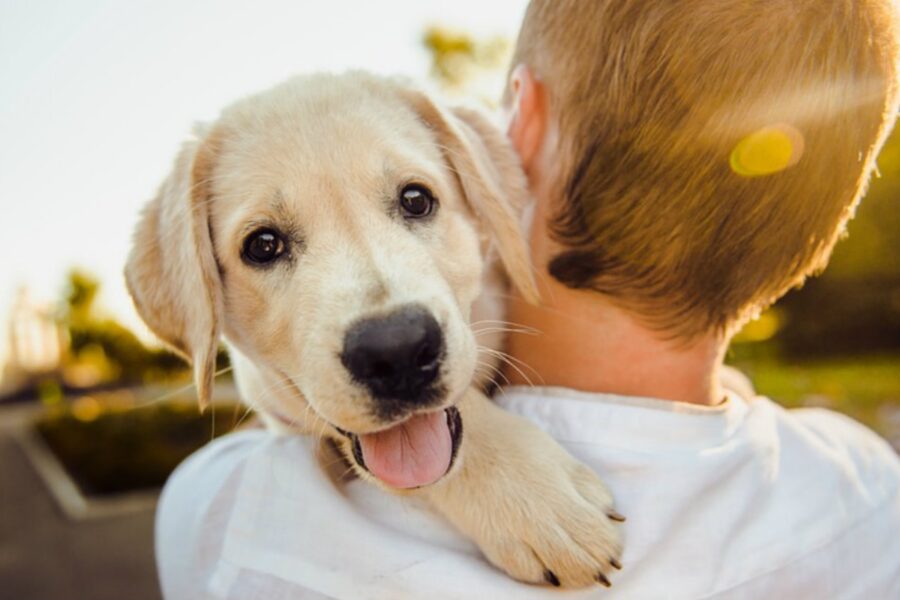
x=535, y=512
x=561, y=531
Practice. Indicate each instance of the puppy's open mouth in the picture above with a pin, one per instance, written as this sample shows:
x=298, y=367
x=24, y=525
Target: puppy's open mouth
x=414, y=453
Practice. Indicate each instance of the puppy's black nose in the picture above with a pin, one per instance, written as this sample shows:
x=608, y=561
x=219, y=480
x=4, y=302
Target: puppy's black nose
x=396, y=357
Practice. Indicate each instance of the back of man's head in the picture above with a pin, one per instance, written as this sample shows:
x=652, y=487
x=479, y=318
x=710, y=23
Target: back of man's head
x=711, y=151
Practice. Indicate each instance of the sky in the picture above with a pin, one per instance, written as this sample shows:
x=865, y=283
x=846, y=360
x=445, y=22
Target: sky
x=96, y=96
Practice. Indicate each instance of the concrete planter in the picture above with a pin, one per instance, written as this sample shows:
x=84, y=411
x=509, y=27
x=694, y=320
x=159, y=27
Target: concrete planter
x=68, y=496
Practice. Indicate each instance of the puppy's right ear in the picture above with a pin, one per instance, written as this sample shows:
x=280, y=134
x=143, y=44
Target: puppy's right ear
x=171, y=271
x=491, y=178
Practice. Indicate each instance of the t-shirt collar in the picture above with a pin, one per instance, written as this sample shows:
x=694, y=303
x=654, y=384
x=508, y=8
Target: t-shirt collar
x=626, y=421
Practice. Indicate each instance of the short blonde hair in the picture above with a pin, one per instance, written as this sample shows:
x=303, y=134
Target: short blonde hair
x=652, y=100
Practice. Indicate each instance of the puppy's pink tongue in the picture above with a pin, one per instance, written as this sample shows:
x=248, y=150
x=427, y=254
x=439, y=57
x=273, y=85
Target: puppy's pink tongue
x=414, y=453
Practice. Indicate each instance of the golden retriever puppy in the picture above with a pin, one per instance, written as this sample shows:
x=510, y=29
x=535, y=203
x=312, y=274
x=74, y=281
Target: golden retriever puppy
x=340, y=233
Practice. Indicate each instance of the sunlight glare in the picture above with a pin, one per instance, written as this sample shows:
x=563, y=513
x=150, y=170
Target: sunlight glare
x=767, y=151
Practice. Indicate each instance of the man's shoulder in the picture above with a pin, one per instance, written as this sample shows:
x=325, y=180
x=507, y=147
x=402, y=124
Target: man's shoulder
x=204, y=486
x=230, y=449
x=834, y=476
x=828, y=487
x=227, y=456
x=831, y=438
x=837, y=430
x=196, y=505
x=213, y=466
x=222, y=523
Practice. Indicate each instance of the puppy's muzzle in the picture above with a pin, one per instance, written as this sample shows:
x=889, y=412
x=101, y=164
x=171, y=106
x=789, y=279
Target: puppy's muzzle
x=397, y=357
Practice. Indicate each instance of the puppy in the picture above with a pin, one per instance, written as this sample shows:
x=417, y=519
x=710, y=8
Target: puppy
x=344, y=234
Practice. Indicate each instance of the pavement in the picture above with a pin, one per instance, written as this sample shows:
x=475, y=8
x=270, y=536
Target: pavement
x=45, y=556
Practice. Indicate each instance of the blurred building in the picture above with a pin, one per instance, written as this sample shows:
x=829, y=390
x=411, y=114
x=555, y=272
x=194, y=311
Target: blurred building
x=35, y=343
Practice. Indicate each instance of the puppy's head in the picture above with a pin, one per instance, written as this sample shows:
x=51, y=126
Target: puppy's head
x=334, y=230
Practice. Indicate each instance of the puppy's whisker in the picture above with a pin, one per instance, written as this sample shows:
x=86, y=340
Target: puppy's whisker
x=244, y=416
x=520, y=362
x=491, y=371
x=498, y=373
x=348, y=470
x=279, y=385
x=270, y=389
x=500, y=322
x=500, y=328
x=323, y=429
x=503, y=357
x=212, y=421
x=337, y=461
x=177, y=392
x=504, y=328
x=484, y=373
x=490, y=330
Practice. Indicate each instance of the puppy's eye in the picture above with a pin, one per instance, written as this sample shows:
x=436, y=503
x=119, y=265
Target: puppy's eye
x=263, y=246
x=416, y=201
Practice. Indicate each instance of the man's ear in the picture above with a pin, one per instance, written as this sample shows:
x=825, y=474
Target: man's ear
x=491, y=178
x=528, y=114
x=171, y=271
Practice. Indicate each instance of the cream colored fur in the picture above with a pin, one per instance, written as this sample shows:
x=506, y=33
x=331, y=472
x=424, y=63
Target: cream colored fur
x=323, y=157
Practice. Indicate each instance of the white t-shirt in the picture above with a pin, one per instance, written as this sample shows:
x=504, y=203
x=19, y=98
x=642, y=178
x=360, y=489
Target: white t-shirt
x=743, y=500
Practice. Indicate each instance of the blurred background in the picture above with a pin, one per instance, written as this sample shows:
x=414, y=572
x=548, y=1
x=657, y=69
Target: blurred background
x=95, y=98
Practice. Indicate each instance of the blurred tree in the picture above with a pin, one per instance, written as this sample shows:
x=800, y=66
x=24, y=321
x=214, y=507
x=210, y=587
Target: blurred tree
x=854, y=306
x=103, y=350
x=464, y=65
x=80, y=295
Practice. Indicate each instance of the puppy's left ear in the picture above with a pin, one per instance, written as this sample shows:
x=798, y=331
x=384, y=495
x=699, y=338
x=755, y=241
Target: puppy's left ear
x=491, y=177
x=171, y=272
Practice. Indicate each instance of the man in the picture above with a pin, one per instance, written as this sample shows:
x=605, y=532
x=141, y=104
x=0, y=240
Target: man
x=691, y=161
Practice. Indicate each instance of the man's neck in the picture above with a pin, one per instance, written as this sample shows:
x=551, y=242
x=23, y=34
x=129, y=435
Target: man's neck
x=582, y=341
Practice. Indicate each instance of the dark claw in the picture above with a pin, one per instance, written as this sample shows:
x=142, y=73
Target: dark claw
x=616, y=564
x=551, y=578
x=615, y=516
x=602, y=580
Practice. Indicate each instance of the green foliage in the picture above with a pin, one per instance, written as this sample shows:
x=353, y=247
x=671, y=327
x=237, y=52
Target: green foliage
x=106, y=444
x=458, y=59
x=872, y=249
x=113, y=350
x=49, y=392
x=121, y=451
x=81, y=293
x=854, y=306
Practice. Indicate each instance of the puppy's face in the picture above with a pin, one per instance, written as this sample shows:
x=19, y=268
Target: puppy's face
x=347, y=254
x=333, y=230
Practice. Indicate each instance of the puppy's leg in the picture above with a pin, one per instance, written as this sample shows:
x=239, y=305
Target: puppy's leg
x=535, y=512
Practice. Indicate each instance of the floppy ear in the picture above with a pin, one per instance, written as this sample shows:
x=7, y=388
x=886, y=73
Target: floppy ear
x=491, y=178
x=171, y=272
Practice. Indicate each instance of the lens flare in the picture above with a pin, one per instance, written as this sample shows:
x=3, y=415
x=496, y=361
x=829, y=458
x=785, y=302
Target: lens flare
x=767, y=151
